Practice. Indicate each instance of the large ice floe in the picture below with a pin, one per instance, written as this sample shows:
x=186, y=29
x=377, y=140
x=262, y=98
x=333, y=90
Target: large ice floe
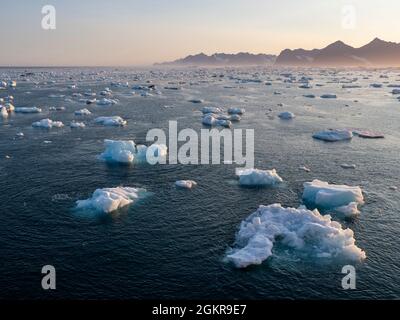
x=111, y=121
x=126, y=151
x=82, y=112
x=308, y=232
x=257, y=177
x=47, y=124
x=333, y=135
x=110, y=199
x=340, y=198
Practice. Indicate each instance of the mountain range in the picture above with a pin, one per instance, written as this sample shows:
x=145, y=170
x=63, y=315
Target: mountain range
x=377, y=53
x=224, y=59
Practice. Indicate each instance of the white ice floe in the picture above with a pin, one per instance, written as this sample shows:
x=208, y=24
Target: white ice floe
x=111, y=121
x=215, y=120
x=331, y=196
x=256, y=177
x=106, y=102
x=308, y=232
x=47, y=123
x=286, y=115
x=239, y=111
x=329, y=96
x=110, y=199
x=333, y=135
x=126, y=151
x=185, y=184
x=28, y=110
x=207, y=110
x=82, y=112
x=74, y=124
x=349, y=210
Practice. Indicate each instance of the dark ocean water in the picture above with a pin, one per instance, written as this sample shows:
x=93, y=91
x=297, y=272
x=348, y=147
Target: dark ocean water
x=172, y=243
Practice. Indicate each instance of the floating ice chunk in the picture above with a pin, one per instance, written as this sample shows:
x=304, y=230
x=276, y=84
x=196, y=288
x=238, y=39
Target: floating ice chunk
x=369, y=134
x=333, y=135
x=286, y=115
x=309, y=96
x=329, y=96
x=110, y=121
x=209, y=119
x=239, y=111
x=47, y=123
x=119, y=151
x=185, y=184
x=304, y=168
x=56, y=108
x=82, y=112
x=348, y=211
x=74, y=124
x=376, y=85
x=235, y=117
x=126, y=151
x=106, y=102
x=330, y=196
x=308, y=232
x=28, y=110
x=396, y=91
x=207, y=110
x=256, y=177
x=110, y=199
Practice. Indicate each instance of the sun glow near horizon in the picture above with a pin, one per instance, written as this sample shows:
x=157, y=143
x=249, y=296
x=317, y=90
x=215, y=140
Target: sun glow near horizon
x=143, y=32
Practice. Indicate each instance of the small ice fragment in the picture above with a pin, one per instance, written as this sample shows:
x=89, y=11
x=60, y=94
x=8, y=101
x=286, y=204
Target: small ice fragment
x=185, y=184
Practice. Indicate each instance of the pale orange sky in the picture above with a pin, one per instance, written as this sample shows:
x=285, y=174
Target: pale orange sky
x=141, y=32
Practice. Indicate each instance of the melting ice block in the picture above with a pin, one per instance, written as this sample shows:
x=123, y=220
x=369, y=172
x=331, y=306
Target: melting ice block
x=126, y=151
x=185, y=184
x=308, y=232
x=256, y=177
x=331, y=196
x=47, y=123
x=333, y=135
x=110, y=199
x=111, y=121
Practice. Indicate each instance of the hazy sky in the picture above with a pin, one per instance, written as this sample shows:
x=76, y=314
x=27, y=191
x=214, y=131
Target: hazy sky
x=134, y=32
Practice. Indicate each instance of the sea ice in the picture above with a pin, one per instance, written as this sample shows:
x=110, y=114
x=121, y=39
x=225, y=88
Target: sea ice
x=185, y=184
x=47, y=123
x=308, y=232
x=126, y=151
x=286, y=115
x=207, y=110
x=82, y=112
x=111, y=121
x=238, y=111
x=256, y=177
x=74, y=124
x=110, y=199
x=3, y=111
x=348, y=211
x=333, y=135
x=28, y=110
x=331, y=196
x=106, y=102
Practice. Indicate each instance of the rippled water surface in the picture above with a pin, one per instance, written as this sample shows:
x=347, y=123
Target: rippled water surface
x=171, y=244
